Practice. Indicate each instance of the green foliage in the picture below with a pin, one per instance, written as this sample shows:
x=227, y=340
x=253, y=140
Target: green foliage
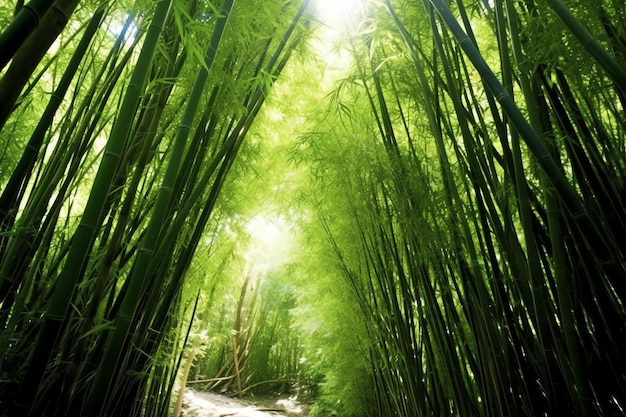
x=451, y=237
x=109, y=272
x=448, y=181
x=337, y=344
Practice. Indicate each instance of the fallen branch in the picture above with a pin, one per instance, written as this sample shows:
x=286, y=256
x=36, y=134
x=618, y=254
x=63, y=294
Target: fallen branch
x=272, y=381
x=222, y=378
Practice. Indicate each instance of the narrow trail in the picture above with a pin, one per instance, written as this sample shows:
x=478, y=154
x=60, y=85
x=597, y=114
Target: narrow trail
x=208, y=404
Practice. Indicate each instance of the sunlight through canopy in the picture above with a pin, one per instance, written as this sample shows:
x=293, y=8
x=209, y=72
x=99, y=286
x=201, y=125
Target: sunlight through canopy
x=337, y=14
x=271, y=242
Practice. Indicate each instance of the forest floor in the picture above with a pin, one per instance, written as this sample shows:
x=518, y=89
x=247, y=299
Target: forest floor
x=209, y=404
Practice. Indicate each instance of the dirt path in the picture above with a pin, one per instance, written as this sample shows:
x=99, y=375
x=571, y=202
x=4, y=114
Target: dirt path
x=207, y=404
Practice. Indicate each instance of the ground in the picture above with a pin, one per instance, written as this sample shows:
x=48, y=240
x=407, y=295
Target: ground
x=208, y=404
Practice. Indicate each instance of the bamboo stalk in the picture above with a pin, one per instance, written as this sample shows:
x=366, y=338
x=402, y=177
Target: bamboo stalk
x=614, y=69
x=23, y=24
x=84, y=236
x=571, y=200
x=236, y=362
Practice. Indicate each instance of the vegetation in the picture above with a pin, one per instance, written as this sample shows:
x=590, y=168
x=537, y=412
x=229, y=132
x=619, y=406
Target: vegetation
x=425, y=217
x=114, y=192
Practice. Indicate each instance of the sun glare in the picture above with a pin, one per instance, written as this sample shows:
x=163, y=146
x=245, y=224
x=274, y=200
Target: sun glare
x=336, y=13
x=121, y=25
x=271, y=242
x=339, y=20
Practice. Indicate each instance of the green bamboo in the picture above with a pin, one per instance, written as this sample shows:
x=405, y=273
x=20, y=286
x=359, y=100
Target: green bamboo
x=23, y=24
x=614, y=69
x=145, y=139
x=506, y=312
x=139, y=274
x=539, y=307
x=25, y=61
x=571, y=200
x=37, y=220
x=84, y=236
x=452, y=192
x=165, y=252
x=23, y=171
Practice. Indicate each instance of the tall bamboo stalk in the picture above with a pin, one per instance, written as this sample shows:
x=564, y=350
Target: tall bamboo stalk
x=616, y=71
x=25, y=60
x=497, y=296
x=23, y=24
x=153, y=233
x=84, y=236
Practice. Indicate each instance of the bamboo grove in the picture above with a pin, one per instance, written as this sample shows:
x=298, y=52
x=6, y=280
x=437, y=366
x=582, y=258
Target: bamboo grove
x=462, y=188
x=105, y=204
x=485, y=242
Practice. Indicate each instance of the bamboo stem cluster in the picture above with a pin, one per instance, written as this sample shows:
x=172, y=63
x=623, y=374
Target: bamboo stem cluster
x=110, y=201
x=485, y=249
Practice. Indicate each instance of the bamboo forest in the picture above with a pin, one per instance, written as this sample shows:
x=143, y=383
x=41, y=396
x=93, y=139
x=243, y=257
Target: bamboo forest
x=353, y=208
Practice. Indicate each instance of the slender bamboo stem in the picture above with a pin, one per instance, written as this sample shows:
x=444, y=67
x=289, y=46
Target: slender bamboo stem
x=84, y=236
